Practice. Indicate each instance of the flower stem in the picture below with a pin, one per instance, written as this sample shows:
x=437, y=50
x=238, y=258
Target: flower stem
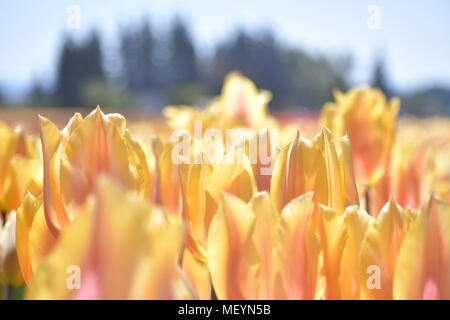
x=367, y=200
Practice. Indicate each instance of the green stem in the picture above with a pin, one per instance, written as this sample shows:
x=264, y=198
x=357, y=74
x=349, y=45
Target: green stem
x=367, y=196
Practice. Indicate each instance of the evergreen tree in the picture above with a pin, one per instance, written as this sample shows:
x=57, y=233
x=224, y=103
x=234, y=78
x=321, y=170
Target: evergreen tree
x=379, y=78
x=137, y=49
x=68, y=74
x=78, y=64
x=182, y=64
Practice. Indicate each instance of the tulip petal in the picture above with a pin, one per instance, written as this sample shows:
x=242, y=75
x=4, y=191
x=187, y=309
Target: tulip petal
x=357, y=222
x=33, y=237
x=299, y=248
x=333, y=238
x=423, y=264
x=380, y=248
x=264, y=236
x=230, y=252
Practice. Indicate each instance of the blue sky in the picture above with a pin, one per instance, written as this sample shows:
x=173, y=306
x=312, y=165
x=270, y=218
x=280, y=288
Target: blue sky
x=414, y=35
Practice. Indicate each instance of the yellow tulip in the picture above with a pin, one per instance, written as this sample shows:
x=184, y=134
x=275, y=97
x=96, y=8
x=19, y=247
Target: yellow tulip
x=121, y=247
x=20, y=167
x=298, y=249
x=203, y=185
x=255, y=252
x=9, y=268
x=315, y=165
x=370, y=122
x=20, y=173
x=231, y=254
x=34, y=241
x=333, y=238
x=265, y=237
x=240, y=104
x=380, y=249
x=423, y=263
x=73, y=159
x=169, y=183
x=357, y=221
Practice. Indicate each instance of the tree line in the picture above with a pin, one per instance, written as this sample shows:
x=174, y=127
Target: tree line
x=150, y=68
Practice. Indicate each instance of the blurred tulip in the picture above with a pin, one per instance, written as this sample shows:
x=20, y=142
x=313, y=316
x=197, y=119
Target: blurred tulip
x=34, y=241
x=333, y=238
x=240, y=104
x=298, y=247
x=423, y=263
x=20, y=172
x=9, y=268
x=75, y=156
x=380, y=248
x=369, y=120
x=255, y=252
x=357, y=221
x=73, y=159
x=119, y=256
x=231, y=254
x=265, y=236
x=202, y=186
x=20, y=167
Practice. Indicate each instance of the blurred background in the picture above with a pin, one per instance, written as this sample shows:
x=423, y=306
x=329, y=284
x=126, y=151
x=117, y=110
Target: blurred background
x=143, y=55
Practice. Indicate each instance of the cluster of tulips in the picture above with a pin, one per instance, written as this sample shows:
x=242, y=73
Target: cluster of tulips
x=353, y=204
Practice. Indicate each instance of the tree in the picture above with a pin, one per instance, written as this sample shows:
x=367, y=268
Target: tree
x=258, y=57
x=182, y=65
x=311, y=80
x=137, y=49
x=92, y=59
x=379, y=78
x=2, y=99
x=78, y=64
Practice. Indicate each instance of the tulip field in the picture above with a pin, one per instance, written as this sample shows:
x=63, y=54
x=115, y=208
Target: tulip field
x=227, y=202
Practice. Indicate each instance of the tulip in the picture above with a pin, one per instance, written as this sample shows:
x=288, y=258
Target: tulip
x=202, y=187
x=298, y=248
x=380, y=248
x=255, y=252
x=315, y=165
x=357, y=222
x=169, y=186
x=265, y=237
x=369, y=120
x=34, y=241
x=83, y=150
x=231, y=254
x=9, y=268
x=20, y=173
x=333, y=236
x=240, y=104
x=121, y=247
x=423, y=263
x=20, y=167
x=73, y=159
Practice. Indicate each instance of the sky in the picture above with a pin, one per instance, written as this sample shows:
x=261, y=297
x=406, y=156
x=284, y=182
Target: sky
x=413, y=36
